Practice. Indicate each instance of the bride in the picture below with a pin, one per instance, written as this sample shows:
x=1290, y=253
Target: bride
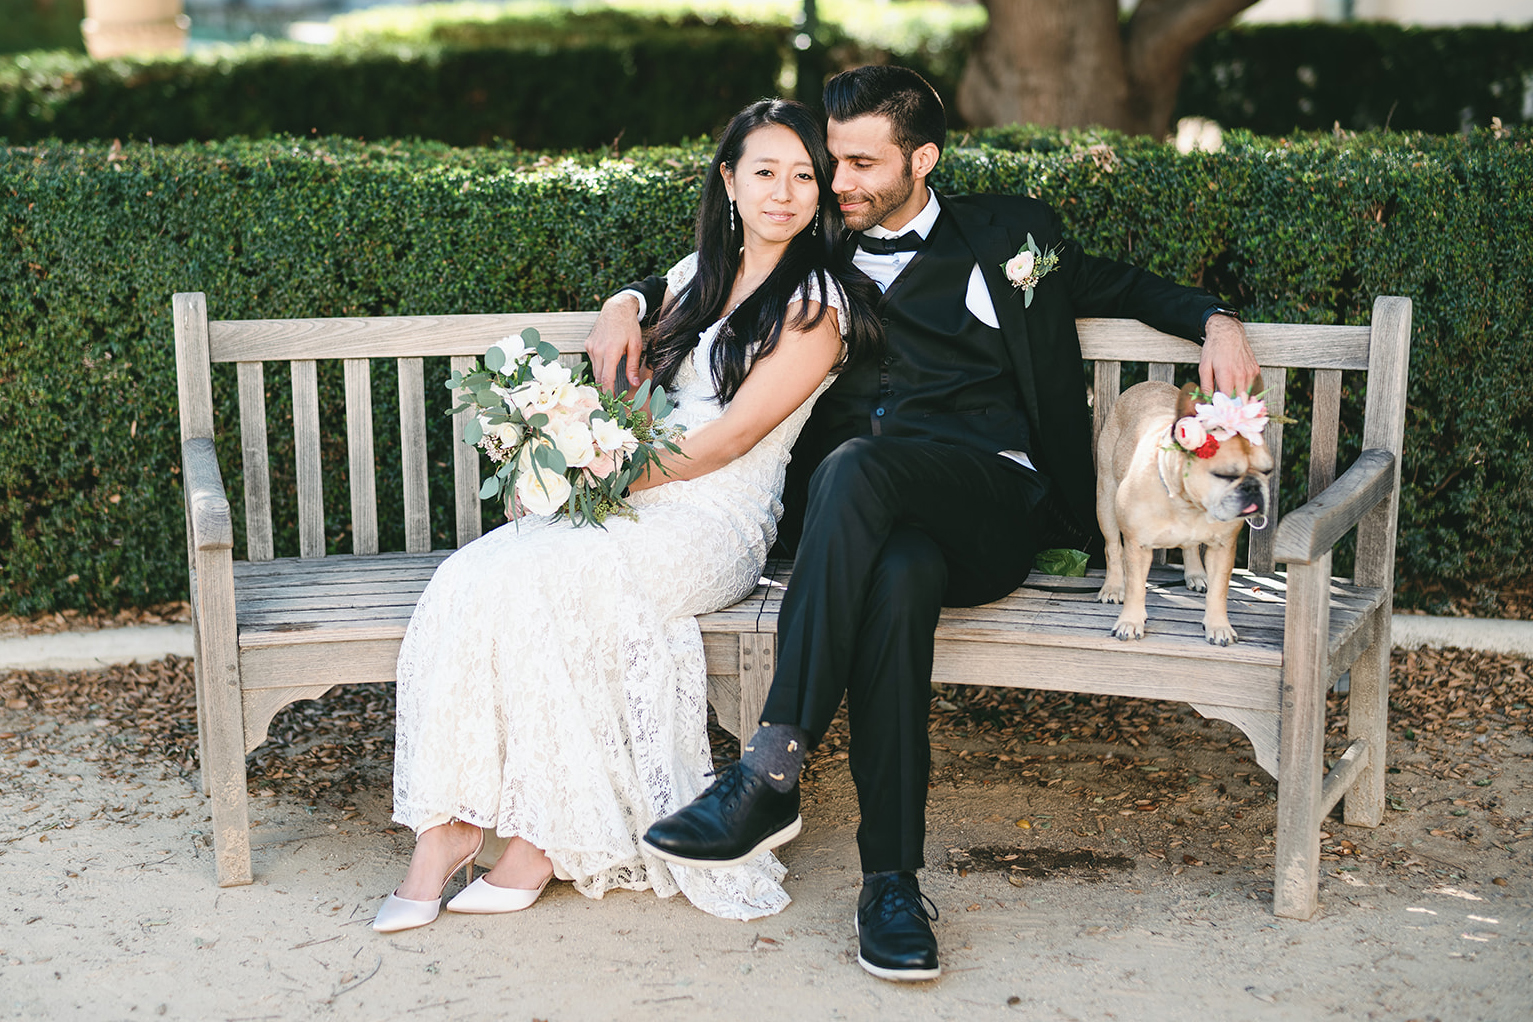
x=552, y=692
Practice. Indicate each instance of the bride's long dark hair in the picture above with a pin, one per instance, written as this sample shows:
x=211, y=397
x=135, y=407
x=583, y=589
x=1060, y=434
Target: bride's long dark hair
x=756, y=324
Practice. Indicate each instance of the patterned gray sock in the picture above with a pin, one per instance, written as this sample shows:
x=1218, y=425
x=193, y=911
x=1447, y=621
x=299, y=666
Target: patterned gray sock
x=776, y=753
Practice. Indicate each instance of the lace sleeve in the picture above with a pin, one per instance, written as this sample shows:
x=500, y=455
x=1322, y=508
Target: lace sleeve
x=678, y=277
x=809, y=291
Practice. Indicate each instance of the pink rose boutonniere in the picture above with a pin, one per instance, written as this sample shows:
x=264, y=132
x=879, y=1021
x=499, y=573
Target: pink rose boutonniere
x=1029, y=266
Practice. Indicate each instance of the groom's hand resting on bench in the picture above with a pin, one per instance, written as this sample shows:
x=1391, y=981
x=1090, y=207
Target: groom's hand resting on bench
x=616, y=342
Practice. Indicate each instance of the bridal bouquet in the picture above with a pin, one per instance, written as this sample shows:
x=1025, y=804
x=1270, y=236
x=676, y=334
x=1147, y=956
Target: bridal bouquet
x=560, y=445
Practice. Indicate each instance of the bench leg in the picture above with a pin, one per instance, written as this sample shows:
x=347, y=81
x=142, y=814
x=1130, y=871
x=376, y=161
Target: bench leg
x=1368, y=718
x=221, y=716
x=1301, y=762
x=758, y=661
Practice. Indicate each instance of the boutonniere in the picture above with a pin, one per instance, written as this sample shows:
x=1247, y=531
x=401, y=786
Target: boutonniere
x=1028, y=267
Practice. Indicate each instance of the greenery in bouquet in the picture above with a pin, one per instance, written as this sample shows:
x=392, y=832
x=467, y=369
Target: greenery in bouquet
x=559, y=445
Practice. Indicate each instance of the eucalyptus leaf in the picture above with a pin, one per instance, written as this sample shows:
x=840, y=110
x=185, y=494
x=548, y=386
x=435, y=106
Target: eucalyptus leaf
x=537, y=420
x=495, y=359
x=546, y=351
x=473, y=432
x=530, y=336
x=1027, y=299
x=490, y=488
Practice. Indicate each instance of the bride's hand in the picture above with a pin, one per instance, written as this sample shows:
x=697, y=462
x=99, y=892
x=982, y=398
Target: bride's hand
x=615, y=337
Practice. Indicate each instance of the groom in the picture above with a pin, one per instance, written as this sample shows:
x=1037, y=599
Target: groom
x=942, y=468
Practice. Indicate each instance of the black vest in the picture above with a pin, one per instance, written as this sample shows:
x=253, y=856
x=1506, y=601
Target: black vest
x=943, y=376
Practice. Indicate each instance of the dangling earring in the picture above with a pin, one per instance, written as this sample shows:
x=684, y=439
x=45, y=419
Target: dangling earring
x=731, y=216
x=816, y=231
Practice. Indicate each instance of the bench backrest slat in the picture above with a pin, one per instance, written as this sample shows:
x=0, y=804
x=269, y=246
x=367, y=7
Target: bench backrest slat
x=1259, y=550
x=359, y=456
x=465, y=473
x=311, y=488
x=269, y=340
x=252, y=388
x=1325, y=429
x=412, y=446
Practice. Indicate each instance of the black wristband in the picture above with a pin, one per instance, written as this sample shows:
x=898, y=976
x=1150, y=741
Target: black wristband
x=1219, y=310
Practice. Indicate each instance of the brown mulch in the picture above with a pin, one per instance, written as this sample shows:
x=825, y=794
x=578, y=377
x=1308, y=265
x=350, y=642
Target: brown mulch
x=12, y=626
x=1512, y=601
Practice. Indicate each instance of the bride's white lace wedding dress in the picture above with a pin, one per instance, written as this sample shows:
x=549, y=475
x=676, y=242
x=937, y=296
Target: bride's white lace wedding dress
x=552, y=686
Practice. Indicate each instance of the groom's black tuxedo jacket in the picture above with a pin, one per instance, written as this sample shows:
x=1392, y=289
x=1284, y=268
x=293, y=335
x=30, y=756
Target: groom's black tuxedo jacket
x=1032, y=364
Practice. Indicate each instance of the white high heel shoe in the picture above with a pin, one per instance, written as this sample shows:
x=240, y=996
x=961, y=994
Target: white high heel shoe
x=398, y=913
x=483, y=898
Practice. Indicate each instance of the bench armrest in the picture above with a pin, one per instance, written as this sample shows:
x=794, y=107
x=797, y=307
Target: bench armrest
x=211, y=523
x=1307, y=533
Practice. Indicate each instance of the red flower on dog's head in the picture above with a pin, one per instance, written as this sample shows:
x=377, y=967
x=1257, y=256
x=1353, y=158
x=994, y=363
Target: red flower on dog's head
x=1209, y=449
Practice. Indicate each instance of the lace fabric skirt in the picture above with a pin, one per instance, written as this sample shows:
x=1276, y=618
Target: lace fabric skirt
x=552, y=686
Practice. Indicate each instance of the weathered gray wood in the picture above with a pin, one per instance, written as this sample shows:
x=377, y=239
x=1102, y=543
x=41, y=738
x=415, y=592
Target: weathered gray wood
x=311, y=490
x=1325, y=430
x=465, y=473
x=224, y=767
x=1105, y=387
x=1260, y=542
x=277, y=340
x=412, y=444
x=1275, y=344
x=1162, y=372
x=1384, y=427
x=255, y=462
x=261, y=705
x=1262, y=727
x=359, y=456
x=1301, y=761
x=758, y=660
x=1312, y=530
x=194, y=374
x=1342, y=776
x=211, y=522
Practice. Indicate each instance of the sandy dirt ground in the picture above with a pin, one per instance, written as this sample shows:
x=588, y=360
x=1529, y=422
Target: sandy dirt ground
x=1091, y=858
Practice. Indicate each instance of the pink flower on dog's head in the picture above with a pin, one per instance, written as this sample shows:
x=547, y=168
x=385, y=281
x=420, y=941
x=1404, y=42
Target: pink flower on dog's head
x=1226, y=416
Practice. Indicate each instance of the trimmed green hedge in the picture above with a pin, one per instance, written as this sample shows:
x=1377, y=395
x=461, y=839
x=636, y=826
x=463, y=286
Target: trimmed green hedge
x=96, y=240
x=1363, y=75
x=584, y=83
x=547, y=75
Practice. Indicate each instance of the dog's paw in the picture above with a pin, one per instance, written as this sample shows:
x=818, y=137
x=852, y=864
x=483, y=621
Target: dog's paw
x=1196, y=581
x=1128, y=628
x=1110, y=593
x=1220, y=635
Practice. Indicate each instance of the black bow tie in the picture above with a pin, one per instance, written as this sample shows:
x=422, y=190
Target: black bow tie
x=910, y=241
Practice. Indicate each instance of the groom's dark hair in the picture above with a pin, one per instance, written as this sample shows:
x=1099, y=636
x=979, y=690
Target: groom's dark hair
x=898, y=93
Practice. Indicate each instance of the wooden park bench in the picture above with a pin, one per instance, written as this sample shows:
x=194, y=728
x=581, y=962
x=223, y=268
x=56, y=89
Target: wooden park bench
x=272, y=630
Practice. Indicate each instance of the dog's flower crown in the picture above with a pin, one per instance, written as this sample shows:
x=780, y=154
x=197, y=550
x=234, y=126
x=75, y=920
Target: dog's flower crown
x=1221, y=418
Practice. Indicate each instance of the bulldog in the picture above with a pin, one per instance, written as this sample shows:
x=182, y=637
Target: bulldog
x=1175, y=472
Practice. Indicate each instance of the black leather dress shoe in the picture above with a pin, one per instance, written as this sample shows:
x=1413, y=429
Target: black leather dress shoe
x=737, y=818
x=894, y=929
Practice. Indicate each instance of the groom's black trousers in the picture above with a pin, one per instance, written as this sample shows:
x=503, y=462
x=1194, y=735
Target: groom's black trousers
x=894, y=530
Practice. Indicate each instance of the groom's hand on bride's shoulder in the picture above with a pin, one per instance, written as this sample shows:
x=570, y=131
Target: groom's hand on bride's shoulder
x=616, y=342
x=1227, y=365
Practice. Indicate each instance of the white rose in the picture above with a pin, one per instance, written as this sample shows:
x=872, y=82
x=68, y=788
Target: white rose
x=573, y=440
x=513, y=348
x=550, y=374
x=540, y=490
x=1020, y=266
x=612, y=438
x=506, y=433
x=1189, y=433
x=532, y=397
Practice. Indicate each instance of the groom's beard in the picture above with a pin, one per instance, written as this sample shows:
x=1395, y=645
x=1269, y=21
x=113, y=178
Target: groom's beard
x=879, y=204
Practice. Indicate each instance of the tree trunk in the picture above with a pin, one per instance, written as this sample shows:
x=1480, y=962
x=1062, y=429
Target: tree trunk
x=1068, y=63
